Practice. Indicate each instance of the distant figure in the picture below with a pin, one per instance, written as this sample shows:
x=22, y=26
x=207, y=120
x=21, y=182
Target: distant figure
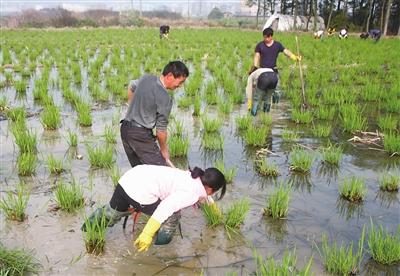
x=164, y=31
x=343, y=33
x=364, y=35
x=319, y=34
x=375, y=34
x=331, y=31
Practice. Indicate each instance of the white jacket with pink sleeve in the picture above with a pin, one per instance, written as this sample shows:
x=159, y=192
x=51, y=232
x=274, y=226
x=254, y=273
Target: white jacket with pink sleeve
x=175, y=188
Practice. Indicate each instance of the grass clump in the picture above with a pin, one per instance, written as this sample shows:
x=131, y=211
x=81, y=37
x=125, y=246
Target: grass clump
x=196, y=106
x=178, y=146
x=115, y=175
x=14, y=204
x=302, y=117
x=20, y=86
x=266, y=168
x=84, y=115
x=72, y=138
x=212, y=142
x=25, y=139
x=353, y=189
x=256, y=136
x=16, y=114
x=278, y=202
x=17, y=262
x=26, y=163
x=321, y=130
x=301, y=160
x=243, y=122
x=212, y=214
x=51, y=118
x=384, y=247
x=55, y=165
x=270, y=267
x=342, y=260
x=100, y=157
x=265, y=119
x=228, y=173
x=352, y=118
x=389, y=182
x=391, y=143
x=95, y=234
x=69, y=197
x=387, y=123
x=331, y=154
x=236, y=214
x=289, y=136
x=110, y=135
x=211, y=125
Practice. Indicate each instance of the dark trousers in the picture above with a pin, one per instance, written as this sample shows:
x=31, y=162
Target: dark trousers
x=140, y=145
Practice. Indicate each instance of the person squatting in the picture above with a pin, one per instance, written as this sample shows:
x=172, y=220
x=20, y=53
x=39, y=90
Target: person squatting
x=159, y=192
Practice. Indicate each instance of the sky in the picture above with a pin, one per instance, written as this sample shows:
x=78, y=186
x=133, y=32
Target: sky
x=118, y=5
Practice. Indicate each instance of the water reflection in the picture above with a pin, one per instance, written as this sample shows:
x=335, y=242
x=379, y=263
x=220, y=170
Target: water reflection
x=50, y=137
x=86, y=131
x=276, y=229
x=387, y=199
x=301, y=182
x=328, y=172
x=373, y=268
x=211, y=156
x=347, y=209
x=181, y=163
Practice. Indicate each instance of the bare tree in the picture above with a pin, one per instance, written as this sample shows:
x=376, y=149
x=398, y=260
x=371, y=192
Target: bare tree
x=370, y=9
x=388, y=6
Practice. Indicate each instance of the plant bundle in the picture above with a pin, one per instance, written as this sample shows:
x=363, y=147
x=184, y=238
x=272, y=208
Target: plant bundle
x=301, y=160
x=100, y=156
x=353, y=189
x=243, y=122
x=212, y=142
x=256, y=136
x=331, y=154
x=17, y=262
x=178, y=146
x=14, y=204
x=211, y=125
x=95, y=234
x=50, y=117
x=26, y=163
x=69, y=197
x=278, y=202
x=265, y=167
x=212, y=214
x=384, y=247
x=236, y=213
x=389, y=182
x=55, y=166
x=110, y=135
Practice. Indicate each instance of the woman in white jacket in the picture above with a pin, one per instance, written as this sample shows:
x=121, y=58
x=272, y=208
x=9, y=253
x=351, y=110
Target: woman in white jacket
x=160, y=192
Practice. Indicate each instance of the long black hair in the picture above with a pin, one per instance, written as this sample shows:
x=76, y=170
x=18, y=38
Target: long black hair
x=211, y=177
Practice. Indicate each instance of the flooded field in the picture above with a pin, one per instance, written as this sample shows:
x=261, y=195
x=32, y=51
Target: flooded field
x=93, y=67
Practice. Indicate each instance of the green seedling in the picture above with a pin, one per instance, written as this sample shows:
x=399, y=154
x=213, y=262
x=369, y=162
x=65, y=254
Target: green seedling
x=184, y=102
x=228, y=173
x=178, y=146
x=25, y=140
x=16, y=114
x=236, y=214
x=302, y=117
x=100, y=156
x=197, y=106
x=20, y=86
x=72, y=138
x=331, y=154
x=389, y=182
x=17, y=262
x=14, y=204
x=243, y=122
x=115, y=175
x=265, y=119
x=110, y=135
x=265, y=167
x=387, y=123
x=212, y=214
x=69, y=197
x=211, y=125
x=95, y=234
x=27, y=163
x=384, y=247
x=353, y=189
x=84, y=115
x=289, y=136
x=212, y=142
x=55, y=165
x=321, y=130
x=50, y=117
x=256, y=136
x=278, y=202
x=301, y=160
x=391, y=143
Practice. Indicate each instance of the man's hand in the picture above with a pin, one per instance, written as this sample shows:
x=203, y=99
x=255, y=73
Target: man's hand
x=252, y=69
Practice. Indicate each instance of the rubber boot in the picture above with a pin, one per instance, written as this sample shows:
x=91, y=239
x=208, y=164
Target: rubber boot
x=167, y=229
x=111, y=216
x=254, y=109
x=275, y=97
x=267, y=107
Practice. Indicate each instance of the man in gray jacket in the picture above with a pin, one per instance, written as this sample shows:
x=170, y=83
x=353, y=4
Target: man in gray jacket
x=149, y=107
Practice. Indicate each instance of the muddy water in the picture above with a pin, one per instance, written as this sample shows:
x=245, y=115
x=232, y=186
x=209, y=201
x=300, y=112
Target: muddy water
x=315, y=207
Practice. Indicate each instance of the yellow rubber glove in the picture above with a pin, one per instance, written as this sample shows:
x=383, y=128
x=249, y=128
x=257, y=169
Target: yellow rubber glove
x=295, y=58
x=144, y=240
x=249, y=104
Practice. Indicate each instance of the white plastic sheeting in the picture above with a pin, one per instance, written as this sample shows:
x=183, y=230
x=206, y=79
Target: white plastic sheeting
x=281, y=22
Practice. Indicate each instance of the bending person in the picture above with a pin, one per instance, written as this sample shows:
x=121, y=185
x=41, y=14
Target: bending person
x=160, y=192
x=263, y=84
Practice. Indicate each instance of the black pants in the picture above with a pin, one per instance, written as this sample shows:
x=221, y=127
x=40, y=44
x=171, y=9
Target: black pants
x=120, y=201
x=140, y=145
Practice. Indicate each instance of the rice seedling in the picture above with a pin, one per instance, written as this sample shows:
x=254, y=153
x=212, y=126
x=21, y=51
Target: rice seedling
x=178, y=146
x=387, y=123
x=3, y=103
x=17, y=262
x=289, y=136
x=16, y=114
x=228, y=173
x=95, y=234
x=27, y=163
x=301, y=160
x=196, y=106
x=14, y=204
x=325, y=113
x=225, y=106
x=302, y=117
x=55, y=165
x=392, y=105
x=265, y=167
x=389, y=182
x=321, y=130
x=177, y=130
x=25, y=139
x=270, y=267
x=115, y=175
x=342, y=260
x=110, y=135
x=72, y=138
x=100, y=156
x=69, y=197
x=331, y=154
x=20, y=86
x=256, y=136
x=278, y=202
x=391, y=143
x=212, y=142
x=211, y=99
x=84, y=115
x=243, y=122
x=235, y=214
x=384, y=247
x=353, y=189
x=212, y=214
x=184, y=102
x=352, y=118
x=9, y=78
x=265, y=119
x=211, y=125
x=50, y=117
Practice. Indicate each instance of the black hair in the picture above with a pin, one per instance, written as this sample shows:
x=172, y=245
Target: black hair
x=267, y=80
x=268, y=32
x=211, y=177
x=177, y=68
